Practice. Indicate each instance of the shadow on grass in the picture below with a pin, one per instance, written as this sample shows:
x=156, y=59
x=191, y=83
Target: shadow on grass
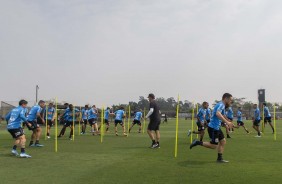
x=194, y=163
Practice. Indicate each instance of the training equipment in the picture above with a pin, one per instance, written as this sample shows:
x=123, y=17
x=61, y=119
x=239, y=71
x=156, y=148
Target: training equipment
x=176, y=132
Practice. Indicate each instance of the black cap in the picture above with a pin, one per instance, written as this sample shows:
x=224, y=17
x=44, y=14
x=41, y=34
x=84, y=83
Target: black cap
x=151, y=95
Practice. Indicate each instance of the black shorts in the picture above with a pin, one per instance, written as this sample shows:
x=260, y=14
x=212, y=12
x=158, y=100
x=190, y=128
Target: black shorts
x=50, y=122
x=240, y=123
x=92, y=121
x=16, y=133
x=256, y=123
x=215, y=135
x=118, y=122
x=200, y=126
x=33, y=125
x=84, y=121
x=208, y=121
x=267, y=120
x=106, y=121
x=136, y=122
x=154, y=125
x=68, y=123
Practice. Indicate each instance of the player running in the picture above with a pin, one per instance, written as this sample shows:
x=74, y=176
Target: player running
x=63, y=120
x=230, y=116
x=240, y=120
x=14, y=127
x=92, y=119
x=84, y=118
x=153, y=129
x=106, y=119
x=33, y=117
x=119, y=115
x=256, y=120
x=216, y=135
x=201, y=121
x=267, y=117
x=137, y=120
x=50, y=118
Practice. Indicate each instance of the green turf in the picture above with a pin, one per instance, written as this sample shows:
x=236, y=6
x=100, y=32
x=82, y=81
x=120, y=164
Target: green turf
x=129, y=160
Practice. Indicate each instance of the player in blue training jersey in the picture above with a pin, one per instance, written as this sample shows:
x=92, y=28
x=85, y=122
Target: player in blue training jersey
x=119, y=115
x=201, y=121
x=240, y=120
x=92, y=119
x=216, y=135
x=256, y=120
x=71, y=115
x=267, y=117
x=50, y=118
x=84, y=118
x=14, y=127
x=208, y=116
x=63, y=120
x=137, y=120
x=106, y=119
x=32, y=118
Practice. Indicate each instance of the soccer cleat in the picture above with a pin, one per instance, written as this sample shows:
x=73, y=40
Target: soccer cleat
x=48, y=137
x=116, y=134
x=14, y=152
x=258, y=136
x=228, y=136
x=154, y=146
x=222, y=161
x=124, y=134
x=32, y=145
x=194, y=143
x=39, y=145
x=189, y=133
x=24, y=155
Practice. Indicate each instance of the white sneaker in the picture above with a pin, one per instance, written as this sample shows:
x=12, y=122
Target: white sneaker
x=257, y=136
x=14, y=152
x=48, y=137
x=24, y=155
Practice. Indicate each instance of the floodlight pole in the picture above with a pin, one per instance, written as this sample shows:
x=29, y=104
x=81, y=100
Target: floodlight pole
x=37, y=88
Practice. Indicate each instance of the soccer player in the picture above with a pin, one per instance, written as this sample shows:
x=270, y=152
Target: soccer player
x=119, y=115
x=240, y=120
x=216, y=135
x=137, y=120
x=92, y=119
x=50, y=118
x=71, y=114
x=267, y=117
x=16, y=117
x=106, y=118
x=208, y=116
x=230, y=116
x=256, y=120
x=63, y=120
x=84, y=118
x=201, y=119
x=32, y=118
x=227, y=128
x=153, y=129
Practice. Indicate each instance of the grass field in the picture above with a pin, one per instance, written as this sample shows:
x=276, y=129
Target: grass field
x=129, y=160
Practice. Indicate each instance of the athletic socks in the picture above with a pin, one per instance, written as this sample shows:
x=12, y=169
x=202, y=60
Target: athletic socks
x=258, y=133
x=22, y=150
x=48, y=134
x=14, y=147
x=219, y=156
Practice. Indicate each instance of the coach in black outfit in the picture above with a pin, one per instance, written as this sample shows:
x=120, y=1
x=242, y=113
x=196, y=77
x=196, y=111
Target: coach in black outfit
x=155, y=120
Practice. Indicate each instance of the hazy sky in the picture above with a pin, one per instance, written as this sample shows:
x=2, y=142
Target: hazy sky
x=113, y=51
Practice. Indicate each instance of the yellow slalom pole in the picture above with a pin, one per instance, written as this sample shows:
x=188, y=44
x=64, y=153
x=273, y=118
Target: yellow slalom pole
x=144, y=123
x=192, y=128
x=176, y=132
x=80, y=116
x=197, y=114
x=46, y=121
x=102, y=125
x=56, y=128
x=73, y=119
x=263, y=125
x=274, y=123
x=128, y=119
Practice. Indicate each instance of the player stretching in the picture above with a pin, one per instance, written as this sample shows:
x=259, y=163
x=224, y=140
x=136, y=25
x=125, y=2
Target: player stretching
x=120, y=114
x=50, y=118
x=216, y=135
x=267, y=117
x=240, y=120
x=84, y=119
x=16, y=117
x=153, y=129
x=137, y=120
x=256, y=120
x=92, y=119
x=33, y=116
x=201, y=120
